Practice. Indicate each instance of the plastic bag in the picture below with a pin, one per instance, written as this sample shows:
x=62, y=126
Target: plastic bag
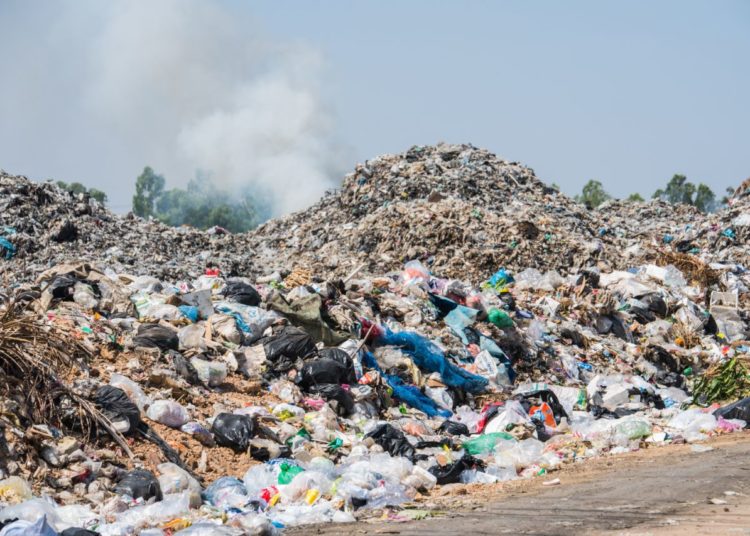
x=454, y=428
x=485, y=443
x=332, y=391
x=451, y=473
x=414, y=272
x=392, y=440
x=40, y=527
x=736, y=410
x=288, y=345
x=132, y=389
x=413, y=397
x=241, y=292
x=253, y=321
x=118, y=408
x=324, y=371
x=233, y=431
x=156, y=336
x=211, y=373
x=139, y=484
x=168, y=413
x=426, y=355
x=226, y=327
x=192, y=337
x=174, y=479
x=227, y=491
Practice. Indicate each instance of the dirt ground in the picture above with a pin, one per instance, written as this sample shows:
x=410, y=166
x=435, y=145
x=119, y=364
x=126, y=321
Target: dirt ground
x=657, y=491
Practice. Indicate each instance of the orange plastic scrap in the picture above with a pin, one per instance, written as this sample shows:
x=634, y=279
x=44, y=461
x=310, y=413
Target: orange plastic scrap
x=543, y=413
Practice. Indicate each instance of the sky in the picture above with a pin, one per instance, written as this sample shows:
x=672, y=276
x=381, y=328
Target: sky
x=287, y=96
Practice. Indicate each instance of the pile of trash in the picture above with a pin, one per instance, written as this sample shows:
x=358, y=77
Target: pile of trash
x=42, y=225
x=443, y=319
x=459, y=209
x=225, y=405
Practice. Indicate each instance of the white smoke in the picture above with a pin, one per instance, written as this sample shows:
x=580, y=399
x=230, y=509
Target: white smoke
x=191, y=85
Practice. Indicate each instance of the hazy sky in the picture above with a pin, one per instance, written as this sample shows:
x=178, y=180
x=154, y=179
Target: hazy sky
x=289, y=95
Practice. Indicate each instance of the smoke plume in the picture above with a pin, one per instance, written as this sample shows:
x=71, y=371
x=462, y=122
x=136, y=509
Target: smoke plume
x=187, y=86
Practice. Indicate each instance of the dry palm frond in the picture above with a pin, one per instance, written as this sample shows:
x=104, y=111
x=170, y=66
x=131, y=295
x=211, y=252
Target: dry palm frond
x=37, y=356
x=690, y=265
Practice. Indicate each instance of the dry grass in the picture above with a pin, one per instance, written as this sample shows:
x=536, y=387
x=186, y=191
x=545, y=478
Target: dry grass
x=692, y=267
x=34, y=359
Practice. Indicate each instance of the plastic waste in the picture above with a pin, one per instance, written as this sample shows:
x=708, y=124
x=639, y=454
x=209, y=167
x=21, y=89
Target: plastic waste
x=485, y=443
x=132, y=389
x=211, y=373
x=168, y=413
x=233, y=431
x=139, y=484
x=115, y=404
x=392, y=440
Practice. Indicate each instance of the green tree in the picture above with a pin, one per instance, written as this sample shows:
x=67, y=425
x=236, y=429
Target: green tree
x=593, y=194
x=705, y=200
x=99, y=195
x=148, y=188
x=636, y=197
x=77, y=188
x=680, y=190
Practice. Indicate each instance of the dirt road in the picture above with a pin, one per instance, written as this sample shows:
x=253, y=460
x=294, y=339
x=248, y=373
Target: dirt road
x=659, y=491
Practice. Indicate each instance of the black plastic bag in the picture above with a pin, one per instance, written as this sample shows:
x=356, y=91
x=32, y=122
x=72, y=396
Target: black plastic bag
x=117, y=407
x=655, y=304
x=139, y=484
x=449, y=474
x=241, y=292
x=324, y=371
x=233, y=431
x=333, y=391
x=75, y=531
x=736, y=410
x=337, y=354
x=156, y=336
x=454, y=428
x=290, y=343
x=61, y=287
x=392, y=440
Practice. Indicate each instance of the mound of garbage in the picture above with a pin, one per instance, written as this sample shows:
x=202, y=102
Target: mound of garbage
x=443, y=319
x=461, y=210
x=42, y=225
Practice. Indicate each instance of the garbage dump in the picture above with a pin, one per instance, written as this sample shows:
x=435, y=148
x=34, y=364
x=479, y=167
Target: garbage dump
x=444, y=319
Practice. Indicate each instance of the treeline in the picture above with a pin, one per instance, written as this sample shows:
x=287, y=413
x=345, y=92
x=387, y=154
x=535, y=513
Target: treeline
x=201, y=204
x=76, y=188
x=678, y=190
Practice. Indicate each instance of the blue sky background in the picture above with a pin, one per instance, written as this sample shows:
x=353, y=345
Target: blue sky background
x=624, y=92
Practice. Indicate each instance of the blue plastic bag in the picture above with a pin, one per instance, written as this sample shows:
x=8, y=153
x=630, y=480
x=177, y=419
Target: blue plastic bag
x=190, y=312
x=413, y=397
x=427, y=356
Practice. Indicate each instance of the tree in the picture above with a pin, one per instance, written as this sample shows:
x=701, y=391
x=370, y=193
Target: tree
x=98, y=195
x=76, y=188
x=148, y=188
x=636, y=197
x=593, y=194
x=680, y=190
x=705, y=200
